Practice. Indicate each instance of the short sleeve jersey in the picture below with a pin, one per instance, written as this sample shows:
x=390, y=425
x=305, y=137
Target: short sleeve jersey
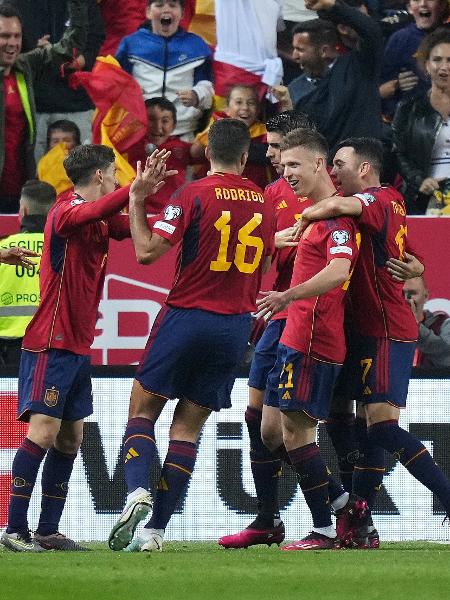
x=225, y=228
x=288, y=209
x=379, y=308
x=315, y=326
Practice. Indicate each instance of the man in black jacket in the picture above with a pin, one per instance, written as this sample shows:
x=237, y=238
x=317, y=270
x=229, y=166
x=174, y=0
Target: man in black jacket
x=344, y=101
x=44, y=22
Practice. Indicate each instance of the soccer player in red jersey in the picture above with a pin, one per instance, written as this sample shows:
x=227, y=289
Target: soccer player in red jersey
x=223, y=227
x=262, y=416
x=55, y=392
x=264, y=459
x=312, y=345
x=385, y=329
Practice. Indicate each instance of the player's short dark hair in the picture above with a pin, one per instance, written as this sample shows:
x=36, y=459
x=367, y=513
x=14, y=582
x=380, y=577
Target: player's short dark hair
x=366, y=148
x=320, y=31
x=441, y=35
x=8, y=11
x=228, y=139
x=164, y=104
x=83, y=161
x=38, y=195
x=289, y=120
x=66, y=126
x=305, y=138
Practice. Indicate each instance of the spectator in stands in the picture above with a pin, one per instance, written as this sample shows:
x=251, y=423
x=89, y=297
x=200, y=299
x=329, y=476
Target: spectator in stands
x=421, y=127
x=62, y=137
x=314, y=48
x=434, y=327
x=344, y=101
x=167, y=61
x=400, y=77
x=162, y=120
x=19, y=287
x=44, y=22
x=19, y=74
x=242, y=104
x=65, y=131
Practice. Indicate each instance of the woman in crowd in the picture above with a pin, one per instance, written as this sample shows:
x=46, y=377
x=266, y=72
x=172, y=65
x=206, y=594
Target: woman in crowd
x=421, y=128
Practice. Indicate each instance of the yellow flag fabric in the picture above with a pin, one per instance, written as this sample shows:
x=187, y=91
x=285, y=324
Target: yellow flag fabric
x=51, y=170
x=124, y=171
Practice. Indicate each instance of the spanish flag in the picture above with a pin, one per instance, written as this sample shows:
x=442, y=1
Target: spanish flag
x=120, y=118
x=51, y=169
x=199, y=16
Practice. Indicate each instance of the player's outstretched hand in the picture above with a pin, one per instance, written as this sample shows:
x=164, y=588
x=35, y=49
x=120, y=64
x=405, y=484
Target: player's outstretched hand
x=285, y=238
x=152, y=178
x=272, y=303
x=17, y=256
x=401, y=270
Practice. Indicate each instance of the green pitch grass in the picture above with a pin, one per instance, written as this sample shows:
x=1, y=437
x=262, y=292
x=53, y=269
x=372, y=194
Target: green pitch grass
x=198, y=571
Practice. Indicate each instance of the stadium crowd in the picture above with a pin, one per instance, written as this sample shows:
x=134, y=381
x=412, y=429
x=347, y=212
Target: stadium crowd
x=305, y=132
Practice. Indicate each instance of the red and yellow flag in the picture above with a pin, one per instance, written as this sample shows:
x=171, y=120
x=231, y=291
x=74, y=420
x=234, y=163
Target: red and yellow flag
x=120, y=118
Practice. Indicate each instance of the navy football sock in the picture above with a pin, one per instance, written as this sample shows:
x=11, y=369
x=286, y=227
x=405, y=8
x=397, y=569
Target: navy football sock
x=340, y=428
x=266, y=468
x=55, y=485
x=414, y=456
x=138, y=451
x=25, y=468
x=369, y=469
x=175, y=475
x=335, y=488
x=313, y=477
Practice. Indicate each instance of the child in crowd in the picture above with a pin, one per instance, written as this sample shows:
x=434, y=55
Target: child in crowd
x=62, y=137
x=162, y=120
x=243, y=104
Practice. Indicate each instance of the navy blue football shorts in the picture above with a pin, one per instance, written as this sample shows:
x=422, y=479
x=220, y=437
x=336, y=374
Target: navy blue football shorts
x=378, y=370
x=194, y=354
x=56, y=383
x=304, y=384
x=265, y=355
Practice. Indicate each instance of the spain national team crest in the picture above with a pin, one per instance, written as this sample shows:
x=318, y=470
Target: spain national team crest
x=51, y=397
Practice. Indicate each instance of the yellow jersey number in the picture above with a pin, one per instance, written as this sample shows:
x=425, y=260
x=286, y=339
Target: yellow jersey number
x=246, y=240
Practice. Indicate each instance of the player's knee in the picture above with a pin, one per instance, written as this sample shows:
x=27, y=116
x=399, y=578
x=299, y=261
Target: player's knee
x=69, y=445
x=272, y=438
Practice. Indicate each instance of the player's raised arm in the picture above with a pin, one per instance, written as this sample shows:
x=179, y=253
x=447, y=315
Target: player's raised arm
x=148, y=247
x=329, y=208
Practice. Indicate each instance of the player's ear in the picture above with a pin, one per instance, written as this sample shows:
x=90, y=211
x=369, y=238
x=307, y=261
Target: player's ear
x=207, y=153
x=364, y=168
x=244, y=158
x=99, y=175
x=319, y=163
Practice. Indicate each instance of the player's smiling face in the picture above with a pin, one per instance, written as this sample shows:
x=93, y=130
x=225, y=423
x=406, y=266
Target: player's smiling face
x=427, y=13
x=300, y=169
x=346, y=171
x=165, y=16
x=273, y=151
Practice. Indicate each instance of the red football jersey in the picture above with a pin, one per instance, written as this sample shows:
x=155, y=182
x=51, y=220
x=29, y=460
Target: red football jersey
x=73, y=268
x=379, y=308
x=288, y=209
x=226, y=229
x=315, y=326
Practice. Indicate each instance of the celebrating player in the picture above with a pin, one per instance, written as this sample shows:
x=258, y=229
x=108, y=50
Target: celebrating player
x=224, y=228
x=264, y=422
x=385, y=329
x=55, y=392
x=312, y=345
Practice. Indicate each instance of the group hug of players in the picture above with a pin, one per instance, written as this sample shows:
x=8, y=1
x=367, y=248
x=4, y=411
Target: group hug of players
x=345, y=257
